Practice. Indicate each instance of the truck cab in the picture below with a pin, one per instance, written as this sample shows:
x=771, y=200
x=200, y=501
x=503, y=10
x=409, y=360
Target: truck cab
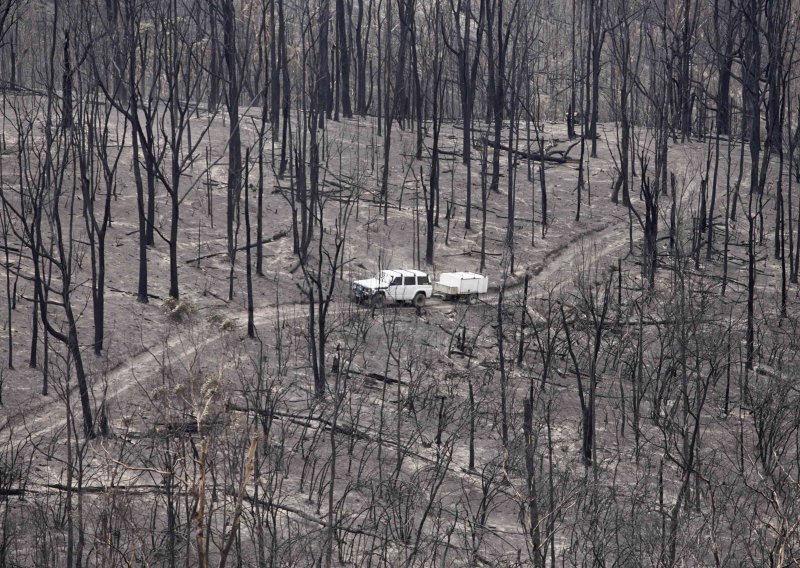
x=397, y=286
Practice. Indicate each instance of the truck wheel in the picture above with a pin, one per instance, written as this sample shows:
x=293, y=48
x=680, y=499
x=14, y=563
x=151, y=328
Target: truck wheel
x=378, y=300
x=419, y=300
x=472, y=299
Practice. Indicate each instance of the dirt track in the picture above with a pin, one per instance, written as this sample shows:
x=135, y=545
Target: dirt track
x=558, y=269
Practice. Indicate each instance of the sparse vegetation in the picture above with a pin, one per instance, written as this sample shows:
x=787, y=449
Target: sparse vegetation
x=625, y=174
x=179, y=309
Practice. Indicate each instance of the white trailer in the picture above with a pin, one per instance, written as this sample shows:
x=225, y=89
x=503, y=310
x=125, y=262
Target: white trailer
x=458, y=285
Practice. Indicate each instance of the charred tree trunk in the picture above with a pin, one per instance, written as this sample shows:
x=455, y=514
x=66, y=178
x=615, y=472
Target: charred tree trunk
x=751, y=91
x=286, y=105
x=361, y=49
x=324, y=98
x=597, y=35
x=214, y=65
x=388, y=111
x=533, y=501
x=687, y=37
x=467, y=62
x=343, y=52
x=434, y=177
x=274, y=83
x=131, y=30
x=496, y=85
x=573, y=67
x=66, y=85
x=251, y=328
x=623, y=48
x=234, y=135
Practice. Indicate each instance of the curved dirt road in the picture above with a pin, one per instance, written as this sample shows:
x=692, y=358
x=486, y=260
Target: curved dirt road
x=556, y=269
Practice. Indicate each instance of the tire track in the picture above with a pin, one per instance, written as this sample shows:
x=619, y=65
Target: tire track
x=557, y=267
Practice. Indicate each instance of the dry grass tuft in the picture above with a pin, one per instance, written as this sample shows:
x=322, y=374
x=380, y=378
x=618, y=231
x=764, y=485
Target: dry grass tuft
x=178, y=309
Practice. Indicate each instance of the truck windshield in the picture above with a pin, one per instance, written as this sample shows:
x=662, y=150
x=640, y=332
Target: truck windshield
x=385, y=278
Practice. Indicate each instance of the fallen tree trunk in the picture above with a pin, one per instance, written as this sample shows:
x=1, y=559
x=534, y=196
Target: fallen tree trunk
x=275, y=237
x=553, y=156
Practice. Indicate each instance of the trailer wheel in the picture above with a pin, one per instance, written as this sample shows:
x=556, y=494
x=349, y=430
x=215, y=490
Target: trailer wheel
x=472, y=299
x=419, y=300
x=378, y=300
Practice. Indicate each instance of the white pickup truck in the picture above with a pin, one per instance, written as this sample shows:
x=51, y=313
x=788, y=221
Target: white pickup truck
x=395, y=286
x=457, y=285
